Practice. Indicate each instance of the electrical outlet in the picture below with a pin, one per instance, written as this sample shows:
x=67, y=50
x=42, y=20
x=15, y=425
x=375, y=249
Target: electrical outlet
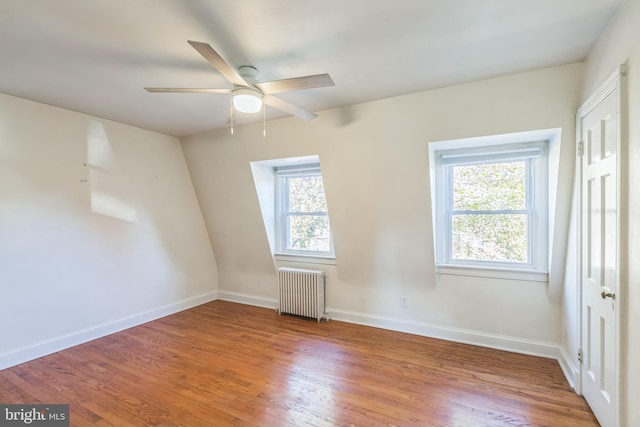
x=403, y=302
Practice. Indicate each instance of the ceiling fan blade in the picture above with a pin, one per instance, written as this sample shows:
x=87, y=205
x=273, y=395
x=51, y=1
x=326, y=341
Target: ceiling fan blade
x=229, y=72
x=186, y=90
x=296, y=83
x=287, y=107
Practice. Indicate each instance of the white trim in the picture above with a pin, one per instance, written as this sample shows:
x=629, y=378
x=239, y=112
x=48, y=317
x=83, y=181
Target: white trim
x=617, y=82
x=495, y=341
x=465, y=336
x=577, y=188
x=25, y=354
x=248, y=299
x=569, y=369
x=288, y=161
x=283, y=215
x=500, y=342
x=444, y=155
x=492, y=153
x=507, y=138
x=623, y=227
x=305, y=259
x=307, y=169
x=609, y=85
x=495, y=273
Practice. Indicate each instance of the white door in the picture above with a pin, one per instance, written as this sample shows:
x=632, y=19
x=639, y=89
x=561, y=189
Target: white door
x=600, y=256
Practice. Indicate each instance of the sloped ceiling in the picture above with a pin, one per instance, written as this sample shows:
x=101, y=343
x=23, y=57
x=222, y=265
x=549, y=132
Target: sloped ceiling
x=96, y=56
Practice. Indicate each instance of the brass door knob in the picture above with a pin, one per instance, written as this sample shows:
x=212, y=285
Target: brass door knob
x=606, y=294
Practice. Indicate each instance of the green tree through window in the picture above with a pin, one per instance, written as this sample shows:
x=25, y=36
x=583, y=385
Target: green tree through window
x=489, y=218
x=304, y=217
x=491, y=208
x=308, y=222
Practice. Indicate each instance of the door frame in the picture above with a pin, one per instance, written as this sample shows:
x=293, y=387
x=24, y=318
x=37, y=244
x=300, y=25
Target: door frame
x=615, y=81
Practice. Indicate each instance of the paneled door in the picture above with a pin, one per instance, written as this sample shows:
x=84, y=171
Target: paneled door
x=599, y=122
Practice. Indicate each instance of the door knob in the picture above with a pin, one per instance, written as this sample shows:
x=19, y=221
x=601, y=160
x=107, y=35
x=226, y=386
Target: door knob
x=606, y=294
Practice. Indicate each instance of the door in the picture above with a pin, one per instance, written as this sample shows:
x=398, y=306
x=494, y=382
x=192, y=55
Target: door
x=600, y=254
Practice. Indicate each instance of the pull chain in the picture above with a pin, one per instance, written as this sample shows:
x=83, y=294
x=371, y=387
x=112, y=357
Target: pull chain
x=264, y=121
x=231, y=116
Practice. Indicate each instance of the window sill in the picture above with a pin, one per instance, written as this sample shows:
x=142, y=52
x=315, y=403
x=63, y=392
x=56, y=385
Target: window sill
x=305, y=259
x=492, y=272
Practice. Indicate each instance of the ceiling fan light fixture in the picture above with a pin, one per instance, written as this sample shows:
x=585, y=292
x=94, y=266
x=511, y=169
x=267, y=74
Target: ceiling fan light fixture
x=247, y=100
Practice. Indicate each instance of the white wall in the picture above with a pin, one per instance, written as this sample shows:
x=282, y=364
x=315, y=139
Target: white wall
x=100, y=229
x=375, y=165
x=618, y=44
x=570, y=305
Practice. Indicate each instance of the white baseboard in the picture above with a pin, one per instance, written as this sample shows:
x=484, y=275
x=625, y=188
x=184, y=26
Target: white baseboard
x=248, y=299
x=25, y=354
x=500, y=342
x=482, y=339
x=569, y=369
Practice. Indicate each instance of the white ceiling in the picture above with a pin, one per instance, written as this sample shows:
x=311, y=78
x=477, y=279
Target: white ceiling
x=95, y=56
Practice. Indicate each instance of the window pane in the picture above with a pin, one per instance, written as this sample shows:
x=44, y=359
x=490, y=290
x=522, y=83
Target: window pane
x=306, y=194
x=501, y=238
x=309, y=233
x=490, y=186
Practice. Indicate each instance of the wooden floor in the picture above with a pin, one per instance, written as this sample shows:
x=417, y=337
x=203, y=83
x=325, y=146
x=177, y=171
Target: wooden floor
x=225, y=364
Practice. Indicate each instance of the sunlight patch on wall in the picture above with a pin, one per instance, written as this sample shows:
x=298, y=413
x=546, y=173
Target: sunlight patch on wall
x=106, y=204
x=108, y=184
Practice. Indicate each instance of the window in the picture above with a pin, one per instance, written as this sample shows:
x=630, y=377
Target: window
x=302, y=218
x=491, y=206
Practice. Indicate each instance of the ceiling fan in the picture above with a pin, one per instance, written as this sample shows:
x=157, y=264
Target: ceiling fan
x=248, y=94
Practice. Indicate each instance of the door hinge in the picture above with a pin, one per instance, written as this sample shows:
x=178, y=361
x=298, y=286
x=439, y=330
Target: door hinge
x=580, y=355
x=580, y=148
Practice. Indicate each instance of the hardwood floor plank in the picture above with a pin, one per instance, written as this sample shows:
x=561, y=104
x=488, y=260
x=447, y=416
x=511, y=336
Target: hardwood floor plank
x=224, y=364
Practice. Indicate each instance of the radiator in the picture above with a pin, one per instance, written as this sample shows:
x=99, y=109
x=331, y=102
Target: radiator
x=301, y=292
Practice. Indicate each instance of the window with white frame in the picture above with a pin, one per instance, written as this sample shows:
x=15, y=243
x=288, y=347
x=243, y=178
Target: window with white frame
x=491, y=206
x=302, y=217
